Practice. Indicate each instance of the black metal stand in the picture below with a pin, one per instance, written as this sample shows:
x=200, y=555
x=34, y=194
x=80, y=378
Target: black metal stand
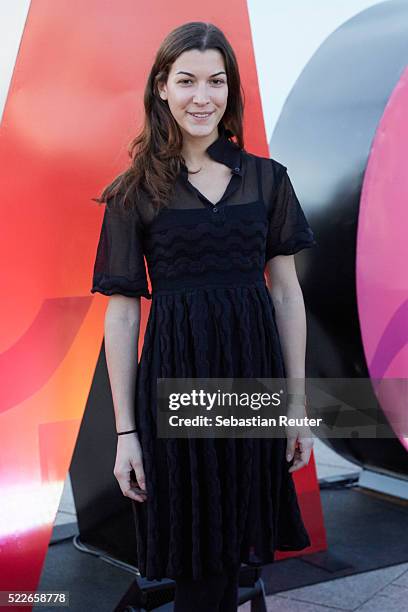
x=152, y=594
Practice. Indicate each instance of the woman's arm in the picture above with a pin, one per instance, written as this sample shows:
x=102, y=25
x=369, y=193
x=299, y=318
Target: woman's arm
x=287, y=297
x=122, y=325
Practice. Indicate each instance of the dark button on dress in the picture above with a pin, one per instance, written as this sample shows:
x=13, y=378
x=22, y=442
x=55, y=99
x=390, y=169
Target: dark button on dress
x=211, y=502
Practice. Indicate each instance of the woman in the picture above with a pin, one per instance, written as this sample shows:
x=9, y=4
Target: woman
x=211, y=219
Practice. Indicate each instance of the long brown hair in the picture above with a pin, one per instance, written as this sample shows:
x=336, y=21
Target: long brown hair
x=156, y=151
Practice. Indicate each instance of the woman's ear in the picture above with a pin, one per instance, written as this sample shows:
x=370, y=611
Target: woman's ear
x=162, y=90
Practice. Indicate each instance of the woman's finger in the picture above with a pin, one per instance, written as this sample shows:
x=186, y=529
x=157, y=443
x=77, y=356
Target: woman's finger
x=290, y=445
x=297, y=464
x=134, y=493
x=302, y=457
x=137, y=465
x=125, y=484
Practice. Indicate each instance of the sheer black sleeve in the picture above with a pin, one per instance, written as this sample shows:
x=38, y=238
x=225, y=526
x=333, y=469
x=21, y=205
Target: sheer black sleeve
x=119, y=265
x=288, y=229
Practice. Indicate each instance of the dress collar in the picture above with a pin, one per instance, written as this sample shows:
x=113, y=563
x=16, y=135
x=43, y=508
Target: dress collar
x=224, y=151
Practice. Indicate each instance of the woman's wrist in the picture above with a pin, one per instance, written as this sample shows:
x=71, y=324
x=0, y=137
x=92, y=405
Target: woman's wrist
x=296, y=398
x=127, y=431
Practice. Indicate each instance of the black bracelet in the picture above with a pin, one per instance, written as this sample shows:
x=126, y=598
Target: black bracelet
x=120, y=433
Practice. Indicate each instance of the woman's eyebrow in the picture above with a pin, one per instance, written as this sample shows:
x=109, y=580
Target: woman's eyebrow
x=190, y=74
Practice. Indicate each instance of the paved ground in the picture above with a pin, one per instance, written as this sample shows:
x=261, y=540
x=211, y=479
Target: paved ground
x=384, y=590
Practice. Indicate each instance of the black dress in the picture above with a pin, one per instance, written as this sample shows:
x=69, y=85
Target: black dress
x=211, y=502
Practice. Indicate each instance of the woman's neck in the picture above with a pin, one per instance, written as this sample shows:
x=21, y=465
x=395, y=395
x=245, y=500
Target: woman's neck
x=194, y=149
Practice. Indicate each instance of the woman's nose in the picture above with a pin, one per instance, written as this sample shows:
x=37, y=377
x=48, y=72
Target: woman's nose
x=201, y=94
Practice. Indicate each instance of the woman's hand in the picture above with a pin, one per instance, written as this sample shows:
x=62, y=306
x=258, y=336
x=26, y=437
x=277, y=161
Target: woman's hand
x=299, y=438
x=128, y=457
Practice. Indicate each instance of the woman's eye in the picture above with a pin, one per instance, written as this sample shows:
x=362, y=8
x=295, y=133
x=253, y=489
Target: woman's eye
x=216, y=81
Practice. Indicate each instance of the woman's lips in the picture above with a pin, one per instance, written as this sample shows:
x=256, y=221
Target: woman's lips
x=201, y=116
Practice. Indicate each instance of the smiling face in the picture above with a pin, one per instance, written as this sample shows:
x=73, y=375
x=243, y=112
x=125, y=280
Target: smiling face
x=197, y=91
